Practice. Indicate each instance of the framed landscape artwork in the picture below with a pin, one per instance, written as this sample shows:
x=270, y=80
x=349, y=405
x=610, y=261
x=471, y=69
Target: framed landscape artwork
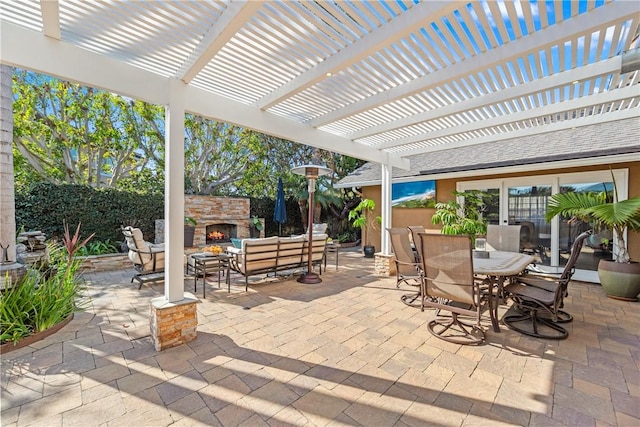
x=417, y=194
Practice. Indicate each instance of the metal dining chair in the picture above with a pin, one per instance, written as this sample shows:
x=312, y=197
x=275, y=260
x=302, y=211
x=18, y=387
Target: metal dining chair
x=414, y=230
x=450, y=286
x=408, y=270
x=503, y=237
x=539, y=299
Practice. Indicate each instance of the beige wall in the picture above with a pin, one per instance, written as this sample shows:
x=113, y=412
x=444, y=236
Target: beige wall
x=402, y=217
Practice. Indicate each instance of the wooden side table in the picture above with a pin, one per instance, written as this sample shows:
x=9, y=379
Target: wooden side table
x=207, y=263
x=331, y=248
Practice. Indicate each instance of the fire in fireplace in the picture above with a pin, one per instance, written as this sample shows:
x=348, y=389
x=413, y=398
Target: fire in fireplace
x=220, y=233
x=215, y=235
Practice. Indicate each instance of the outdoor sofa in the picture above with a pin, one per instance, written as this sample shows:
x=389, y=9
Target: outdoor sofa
x=273, y=254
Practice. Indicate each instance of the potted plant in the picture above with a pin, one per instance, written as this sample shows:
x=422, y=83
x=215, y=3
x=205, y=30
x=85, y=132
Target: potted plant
x=189, y=231
x=255, y=226
x=362, y=217
x=620, y=277
x=459, y=219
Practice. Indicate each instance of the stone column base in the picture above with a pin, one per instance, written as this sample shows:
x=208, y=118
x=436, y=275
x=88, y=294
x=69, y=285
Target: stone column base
x=384, y=264
x=173, y=323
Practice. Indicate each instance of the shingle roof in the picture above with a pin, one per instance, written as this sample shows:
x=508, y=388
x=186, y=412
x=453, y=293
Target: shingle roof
x=605, y=139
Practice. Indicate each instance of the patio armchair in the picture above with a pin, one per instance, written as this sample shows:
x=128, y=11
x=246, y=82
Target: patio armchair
x=408, y=270
x=450, y=286
x=148, y=258
x=503, y=237
x=539, y=299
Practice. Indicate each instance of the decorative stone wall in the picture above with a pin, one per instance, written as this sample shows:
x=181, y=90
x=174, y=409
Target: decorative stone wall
x=384, y=265
x=106, y=262
x=173, y=324
x=208, y=210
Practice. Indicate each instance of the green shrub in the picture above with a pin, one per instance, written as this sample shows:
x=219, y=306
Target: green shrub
x=99, y=248
x=45, y=296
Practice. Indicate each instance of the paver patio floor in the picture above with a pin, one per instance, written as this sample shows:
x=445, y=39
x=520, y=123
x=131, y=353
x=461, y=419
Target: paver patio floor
x=343, y=352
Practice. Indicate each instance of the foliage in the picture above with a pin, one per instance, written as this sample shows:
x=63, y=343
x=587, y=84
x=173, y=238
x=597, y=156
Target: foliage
x=362, y=217
x=217, y=154
x=190, y=221
x=348, y=236
x=67, y=133
x=102, y=211
x=99, y=248
x=45, y=296
x=462, y=219
x=594, y=207
x=256, y=223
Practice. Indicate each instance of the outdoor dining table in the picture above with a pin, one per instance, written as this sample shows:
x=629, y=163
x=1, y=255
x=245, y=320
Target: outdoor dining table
x=498, y=267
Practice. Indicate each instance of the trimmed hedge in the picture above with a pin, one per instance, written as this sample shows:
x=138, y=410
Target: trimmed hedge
x=103, y=211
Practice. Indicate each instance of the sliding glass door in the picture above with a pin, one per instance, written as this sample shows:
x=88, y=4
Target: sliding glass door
x=527, y=206
x=524, y=201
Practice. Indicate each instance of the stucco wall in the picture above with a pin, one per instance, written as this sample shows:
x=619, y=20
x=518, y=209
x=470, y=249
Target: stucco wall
x=402, y=217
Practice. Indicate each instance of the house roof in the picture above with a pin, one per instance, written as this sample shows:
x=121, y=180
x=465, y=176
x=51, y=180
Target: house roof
x=600, y=143
x=378, y=80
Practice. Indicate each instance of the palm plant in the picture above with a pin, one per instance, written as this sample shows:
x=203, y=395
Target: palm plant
x=594, y=207
x=462, y=219
x=362, y=217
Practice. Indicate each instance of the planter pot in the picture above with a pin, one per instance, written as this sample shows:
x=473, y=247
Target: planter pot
x=189, y=232
x=30, y=339
x=369, y=251
x=620, y=280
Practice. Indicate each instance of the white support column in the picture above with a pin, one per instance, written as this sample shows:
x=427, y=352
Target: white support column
x=386, y=208
x=174, y=193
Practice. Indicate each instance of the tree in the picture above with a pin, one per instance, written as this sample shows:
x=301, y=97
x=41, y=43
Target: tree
x=67, y=133
x=218, y=155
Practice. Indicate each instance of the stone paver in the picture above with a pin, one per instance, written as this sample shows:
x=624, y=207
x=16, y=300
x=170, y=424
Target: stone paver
x=343, y=352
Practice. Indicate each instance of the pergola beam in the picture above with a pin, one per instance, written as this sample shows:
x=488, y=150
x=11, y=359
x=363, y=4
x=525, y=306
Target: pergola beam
x=232, y=20
x=216, y=107
x=28, y=49
x=521, y=133
x=533, y=87
x=592, y=21
x=50, y=10
x=522, y=116
x=359, y=50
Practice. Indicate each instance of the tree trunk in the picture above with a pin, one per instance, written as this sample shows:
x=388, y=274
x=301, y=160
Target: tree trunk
x=304, y=213
x=7, y=199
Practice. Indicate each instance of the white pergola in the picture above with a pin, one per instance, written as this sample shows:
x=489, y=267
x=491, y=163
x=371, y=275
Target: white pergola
x=377, y=80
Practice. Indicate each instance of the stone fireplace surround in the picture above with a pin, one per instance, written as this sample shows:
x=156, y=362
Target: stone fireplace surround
x=210, y=210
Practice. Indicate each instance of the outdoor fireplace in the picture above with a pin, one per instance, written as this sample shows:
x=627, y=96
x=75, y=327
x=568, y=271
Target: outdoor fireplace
x=223, y=218
x=220, y=233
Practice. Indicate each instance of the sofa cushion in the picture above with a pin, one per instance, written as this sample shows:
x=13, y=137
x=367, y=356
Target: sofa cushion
x=259, y=242
x=290, y=250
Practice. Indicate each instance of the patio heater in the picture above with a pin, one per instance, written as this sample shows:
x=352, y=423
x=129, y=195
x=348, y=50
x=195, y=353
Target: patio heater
x=311, y=172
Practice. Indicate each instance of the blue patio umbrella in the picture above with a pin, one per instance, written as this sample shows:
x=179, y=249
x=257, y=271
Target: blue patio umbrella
x=280, y=213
